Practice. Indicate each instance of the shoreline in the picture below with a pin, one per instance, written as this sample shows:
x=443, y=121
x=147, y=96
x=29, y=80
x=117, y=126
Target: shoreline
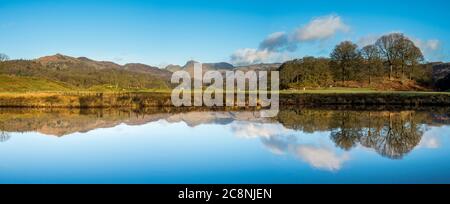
x=163, y=99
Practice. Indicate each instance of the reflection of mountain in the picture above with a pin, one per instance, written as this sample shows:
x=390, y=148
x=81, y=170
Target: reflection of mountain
x=390, y=133
x=60, y=122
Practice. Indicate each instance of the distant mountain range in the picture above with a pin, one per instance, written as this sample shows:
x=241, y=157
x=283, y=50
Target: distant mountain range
x=221, y=67
x=440, y=70
x=70, y=73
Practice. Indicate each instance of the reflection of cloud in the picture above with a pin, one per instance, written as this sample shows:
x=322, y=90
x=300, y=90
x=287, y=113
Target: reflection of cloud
x=279, y=144
x=321, y=158
x=255, y=130
x=279, y=140
x=434, y=136
x=429, y=141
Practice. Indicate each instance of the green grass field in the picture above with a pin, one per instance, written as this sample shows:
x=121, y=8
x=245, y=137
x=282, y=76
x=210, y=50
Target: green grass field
x=30, y=84
x=20, y=85
x=339, y=90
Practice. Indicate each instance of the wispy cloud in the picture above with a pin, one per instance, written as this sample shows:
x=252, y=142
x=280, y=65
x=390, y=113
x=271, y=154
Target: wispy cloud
x=276, y=46
x=278, y=41
x=253, y=56
x=367, y=40
x=431, y=48
x=318, y=29
x=321, y=28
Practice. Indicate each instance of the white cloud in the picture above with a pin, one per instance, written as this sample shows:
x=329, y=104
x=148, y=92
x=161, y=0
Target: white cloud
x=427, y=45
x=433, y=44
x=274, y=47
x=278, y=41
x=321, y=28
x=367, y=40
x=252, y=56
x=431, y=48
x=321, y=158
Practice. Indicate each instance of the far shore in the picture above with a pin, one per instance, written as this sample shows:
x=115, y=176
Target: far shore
x=162, y=98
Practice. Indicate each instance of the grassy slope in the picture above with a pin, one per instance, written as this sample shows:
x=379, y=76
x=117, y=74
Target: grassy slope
x=21, y=84
x=15, y=84
x=30, y=84
x=338, y=90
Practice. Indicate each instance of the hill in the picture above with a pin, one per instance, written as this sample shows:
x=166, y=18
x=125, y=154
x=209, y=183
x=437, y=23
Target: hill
x=222, y=67
x=260, y=67
x=440, y=70
x=84, y=73
x=189, y=67
x=10, y=83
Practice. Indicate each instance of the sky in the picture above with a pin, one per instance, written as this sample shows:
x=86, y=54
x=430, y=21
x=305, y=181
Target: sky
x=158, y=32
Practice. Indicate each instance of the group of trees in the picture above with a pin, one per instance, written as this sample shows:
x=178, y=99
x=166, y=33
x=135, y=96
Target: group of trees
x=392, y=56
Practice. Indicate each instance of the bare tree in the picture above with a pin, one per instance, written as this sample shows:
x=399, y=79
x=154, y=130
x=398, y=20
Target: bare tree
x=372, y=58
x=346, y=58
x=413, y=58
x=409, y=56
x=3, y=57
x=388, y=46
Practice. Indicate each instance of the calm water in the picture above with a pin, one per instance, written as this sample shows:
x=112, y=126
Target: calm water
x=200, y=146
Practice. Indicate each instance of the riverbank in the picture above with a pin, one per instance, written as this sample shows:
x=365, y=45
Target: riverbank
x=163, y=99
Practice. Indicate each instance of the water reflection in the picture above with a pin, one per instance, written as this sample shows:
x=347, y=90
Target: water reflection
x=324, y=138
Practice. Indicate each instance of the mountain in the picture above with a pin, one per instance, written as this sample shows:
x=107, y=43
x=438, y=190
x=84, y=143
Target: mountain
x=440, y=70
x=146, y=69
x=443, y=84
x=260, y=67
x=173, y=68
x=189, y=67
x=61, y=73
x=219, y=66
x=85, y=73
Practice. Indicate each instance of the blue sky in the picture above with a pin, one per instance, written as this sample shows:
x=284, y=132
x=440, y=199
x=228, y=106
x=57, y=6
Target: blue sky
x=172, y=32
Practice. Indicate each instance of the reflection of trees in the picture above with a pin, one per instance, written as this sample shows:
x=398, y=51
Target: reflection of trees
x=4, y=136
x=346, y=135
x=399, y=135
x=391, y=134
x=306, y=120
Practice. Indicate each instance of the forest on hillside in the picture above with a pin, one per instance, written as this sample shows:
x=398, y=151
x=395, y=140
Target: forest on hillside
x=392, y=62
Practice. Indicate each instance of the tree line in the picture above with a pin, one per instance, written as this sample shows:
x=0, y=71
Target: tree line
x=391, y=57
